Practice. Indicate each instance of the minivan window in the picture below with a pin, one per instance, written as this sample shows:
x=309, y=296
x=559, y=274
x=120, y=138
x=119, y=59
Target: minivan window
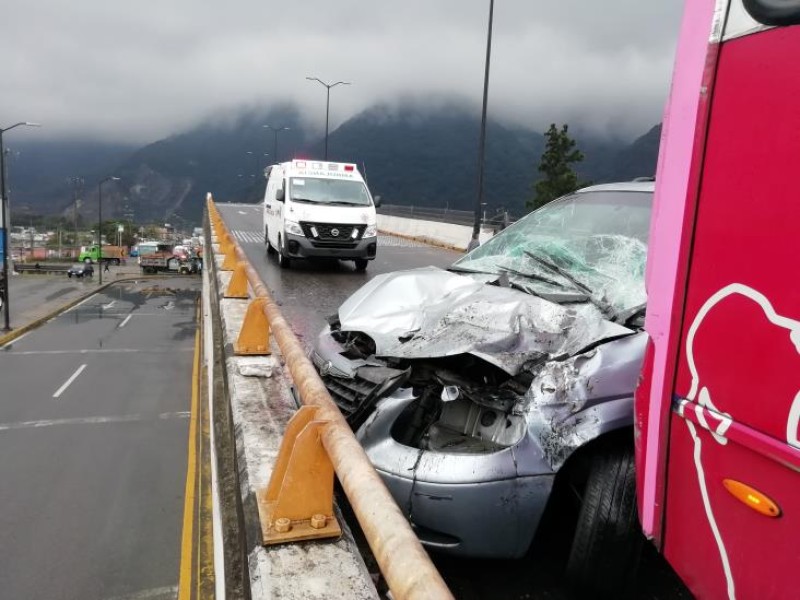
x=329, y=191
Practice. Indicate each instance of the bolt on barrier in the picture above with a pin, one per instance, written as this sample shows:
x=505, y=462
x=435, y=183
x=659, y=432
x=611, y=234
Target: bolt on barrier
x=318, y=436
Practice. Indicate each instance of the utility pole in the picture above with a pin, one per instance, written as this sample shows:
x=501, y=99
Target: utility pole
x=482, y=143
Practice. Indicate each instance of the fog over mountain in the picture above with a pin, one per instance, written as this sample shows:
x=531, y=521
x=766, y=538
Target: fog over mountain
x=410, y=156
x=136, y=72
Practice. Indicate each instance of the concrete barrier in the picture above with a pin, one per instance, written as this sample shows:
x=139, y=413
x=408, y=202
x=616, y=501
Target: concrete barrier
x=447, y=235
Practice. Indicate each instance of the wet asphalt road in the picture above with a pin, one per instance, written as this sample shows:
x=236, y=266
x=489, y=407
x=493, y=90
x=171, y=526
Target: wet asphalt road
x=310, y=292
x=93, y=437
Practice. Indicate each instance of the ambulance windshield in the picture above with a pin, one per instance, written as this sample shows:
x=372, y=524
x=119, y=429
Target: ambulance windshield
x=336, y=192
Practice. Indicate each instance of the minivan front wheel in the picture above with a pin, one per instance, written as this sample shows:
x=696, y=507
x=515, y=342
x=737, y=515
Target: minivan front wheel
x=608, y=540
x=270, y=249
x=283, y=261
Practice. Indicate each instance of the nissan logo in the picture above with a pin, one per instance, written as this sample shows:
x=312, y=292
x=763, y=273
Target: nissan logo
x=335, y=232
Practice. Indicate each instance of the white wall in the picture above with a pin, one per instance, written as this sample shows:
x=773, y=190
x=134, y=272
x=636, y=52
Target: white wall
x=440, y=234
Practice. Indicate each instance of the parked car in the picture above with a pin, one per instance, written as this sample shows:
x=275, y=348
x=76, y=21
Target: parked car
x=475, y=390
x=80, y=270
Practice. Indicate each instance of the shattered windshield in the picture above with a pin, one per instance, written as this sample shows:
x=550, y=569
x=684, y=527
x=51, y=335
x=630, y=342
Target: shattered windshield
x=590, y=244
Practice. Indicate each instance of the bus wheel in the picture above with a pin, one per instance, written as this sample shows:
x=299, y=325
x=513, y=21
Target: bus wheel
x=283, y=260
x=608, y=541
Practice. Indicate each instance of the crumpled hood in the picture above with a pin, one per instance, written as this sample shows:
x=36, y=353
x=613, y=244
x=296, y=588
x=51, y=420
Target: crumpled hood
x=427, y=313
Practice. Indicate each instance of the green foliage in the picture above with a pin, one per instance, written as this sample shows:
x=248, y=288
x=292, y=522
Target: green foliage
x=558, y=176
x=110, y=233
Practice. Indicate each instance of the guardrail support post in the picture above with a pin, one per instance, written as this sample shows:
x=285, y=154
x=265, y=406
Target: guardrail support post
x=253, y=338
x=230, y=258
x=298, y=502
x=237, y=287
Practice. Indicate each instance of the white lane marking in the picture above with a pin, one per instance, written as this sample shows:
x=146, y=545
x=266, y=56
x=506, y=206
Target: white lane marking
x=162, y=593
x=69, y=381
x=125, y=322
x=109, y=305
x=241, y=212
x=81, y=303
x=98, y=351
x=92, y=421
x=17, y=339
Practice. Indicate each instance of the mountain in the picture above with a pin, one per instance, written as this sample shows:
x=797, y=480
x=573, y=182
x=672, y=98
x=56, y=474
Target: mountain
x=409, y=156
x=39, y=172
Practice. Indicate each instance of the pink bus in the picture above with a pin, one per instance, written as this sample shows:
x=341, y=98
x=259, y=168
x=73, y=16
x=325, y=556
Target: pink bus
x=717, y=410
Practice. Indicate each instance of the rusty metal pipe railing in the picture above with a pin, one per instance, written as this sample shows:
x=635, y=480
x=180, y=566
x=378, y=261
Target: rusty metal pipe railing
x=403, y=561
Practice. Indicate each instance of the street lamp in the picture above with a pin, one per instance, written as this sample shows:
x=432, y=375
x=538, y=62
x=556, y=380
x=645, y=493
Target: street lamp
x=255, y=161
x=100, y=225
x=482, y=143
x=5, y=218
x=275, y=130
x=328, y=86
x=77, y=188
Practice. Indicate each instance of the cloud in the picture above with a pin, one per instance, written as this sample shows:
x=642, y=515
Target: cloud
x=137, y=72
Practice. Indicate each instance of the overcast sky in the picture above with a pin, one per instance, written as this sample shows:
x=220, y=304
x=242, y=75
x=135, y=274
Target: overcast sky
x=139, y=71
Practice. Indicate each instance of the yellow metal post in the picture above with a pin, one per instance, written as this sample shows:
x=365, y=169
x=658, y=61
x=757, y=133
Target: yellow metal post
x=298, y=502
x=237, y=287
x=254, y=336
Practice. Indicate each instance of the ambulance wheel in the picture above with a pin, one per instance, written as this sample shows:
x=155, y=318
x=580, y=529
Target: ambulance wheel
x=283, y=261
x=361, y=264
x=608, y=540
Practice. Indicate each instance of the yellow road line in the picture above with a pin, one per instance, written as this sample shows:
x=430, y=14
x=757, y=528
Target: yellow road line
x=187, y=538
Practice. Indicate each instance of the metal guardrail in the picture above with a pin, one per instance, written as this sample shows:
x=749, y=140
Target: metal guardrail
x=445, y=215
x=403, y=561
x=41, y=268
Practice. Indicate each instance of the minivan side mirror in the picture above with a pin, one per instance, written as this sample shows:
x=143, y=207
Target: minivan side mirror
x=280, y=195
x=377, y=201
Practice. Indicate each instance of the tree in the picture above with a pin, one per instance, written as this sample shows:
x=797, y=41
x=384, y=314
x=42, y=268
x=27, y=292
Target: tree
x=558, y=176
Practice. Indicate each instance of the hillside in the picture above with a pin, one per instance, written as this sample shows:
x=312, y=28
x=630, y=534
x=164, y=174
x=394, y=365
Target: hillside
x=408, y=157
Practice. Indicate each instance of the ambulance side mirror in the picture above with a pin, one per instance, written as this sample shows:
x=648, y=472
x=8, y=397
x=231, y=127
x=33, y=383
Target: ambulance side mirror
x=377, y=201
x=280, y=196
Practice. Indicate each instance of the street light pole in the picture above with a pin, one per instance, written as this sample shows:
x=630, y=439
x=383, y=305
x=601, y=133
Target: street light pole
x=6, y=219
x=77, y=187
x=482, y=143
x=327, y=105
x=100, y=225
x=275, y=130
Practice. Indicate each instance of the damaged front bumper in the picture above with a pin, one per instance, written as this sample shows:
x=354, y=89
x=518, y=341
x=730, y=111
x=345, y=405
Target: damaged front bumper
x=476, y=504
x=474, y=476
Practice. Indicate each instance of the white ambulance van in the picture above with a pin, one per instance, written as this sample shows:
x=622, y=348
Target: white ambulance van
x=316, y=209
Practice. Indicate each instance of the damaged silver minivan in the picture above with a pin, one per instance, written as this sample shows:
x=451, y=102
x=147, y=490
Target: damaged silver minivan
x=473, y=389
